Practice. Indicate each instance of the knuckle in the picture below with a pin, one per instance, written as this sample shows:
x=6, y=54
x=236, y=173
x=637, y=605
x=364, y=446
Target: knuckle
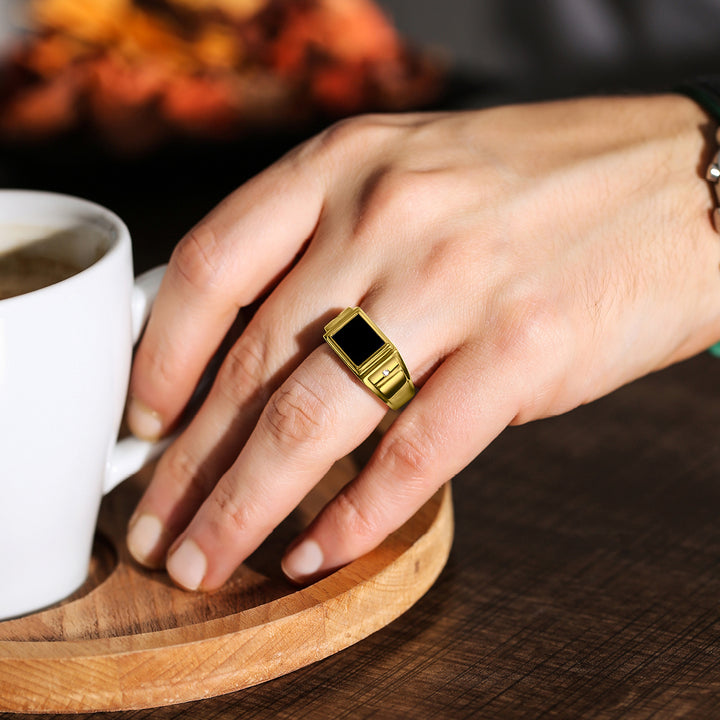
x=390, y=192
x=535, y=340
x=160, y=366
x=297, y=415
x=242, y=376
x=355, y=133
x=355, y=518
x=199, y=258
x=408, y=454
x=182, y=470
x=528, y=325
x=228, y=516
x=539, y=328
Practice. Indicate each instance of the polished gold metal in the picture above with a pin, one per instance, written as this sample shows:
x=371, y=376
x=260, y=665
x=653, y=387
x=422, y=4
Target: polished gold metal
x=383, y=371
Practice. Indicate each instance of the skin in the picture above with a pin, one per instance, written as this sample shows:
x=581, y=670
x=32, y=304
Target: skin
x=524, y=260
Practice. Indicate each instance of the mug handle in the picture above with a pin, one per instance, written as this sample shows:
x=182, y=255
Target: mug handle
x=130, y=454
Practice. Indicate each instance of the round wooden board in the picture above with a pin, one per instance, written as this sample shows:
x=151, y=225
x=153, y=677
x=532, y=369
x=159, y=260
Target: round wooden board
x=130, y=639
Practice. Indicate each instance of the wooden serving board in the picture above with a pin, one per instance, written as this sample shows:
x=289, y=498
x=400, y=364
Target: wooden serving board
x=130, y=639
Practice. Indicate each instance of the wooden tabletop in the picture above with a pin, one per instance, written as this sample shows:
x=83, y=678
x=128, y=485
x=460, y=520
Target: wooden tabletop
x=584, y=580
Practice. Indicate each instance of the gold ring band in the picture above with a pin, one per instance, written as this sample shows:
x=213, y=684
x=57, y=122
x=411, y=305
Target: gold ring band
x=370, y=356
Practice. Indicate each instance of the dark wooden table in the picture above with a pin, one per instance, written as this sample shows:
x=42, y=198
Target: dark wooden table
x=584, y=581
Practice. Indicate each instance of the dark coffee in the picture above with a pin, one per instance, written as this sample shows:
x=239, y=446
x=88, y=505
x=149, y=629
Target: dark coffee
x=22, y=271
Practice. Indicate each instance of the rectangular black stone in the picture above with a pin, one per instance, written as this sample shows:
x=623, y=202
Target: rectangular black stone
x=358, y=340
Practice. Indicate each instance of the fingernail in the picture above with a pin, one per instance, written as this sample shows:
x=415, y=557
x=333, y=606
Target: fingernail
x=187, y=565
x=303, y=561
x=145, y=422
x=144, y=537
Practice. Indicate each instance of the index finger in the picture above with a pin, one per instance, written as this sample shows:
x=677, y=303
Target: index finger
x=224, y=263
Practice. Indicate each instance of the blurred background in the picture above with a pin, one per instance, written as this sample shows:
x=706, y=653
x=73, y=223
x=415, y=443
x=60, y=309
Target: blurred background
x=159, y=108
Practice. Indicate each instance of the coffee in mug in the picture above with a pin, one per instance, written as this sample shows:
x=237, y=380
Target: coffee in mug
x=23, y=271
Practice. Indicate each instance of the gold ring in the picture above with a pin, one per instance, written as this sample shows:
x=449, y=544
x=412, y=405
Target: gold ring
x=371, y=357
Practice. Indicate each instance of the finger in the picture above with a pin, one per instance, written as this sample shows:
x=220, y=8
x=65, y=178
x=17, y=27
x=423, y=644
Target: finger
x=281, y=334
x=298, y=437
x=438, y=434
x=318, y=415
x=224, y=263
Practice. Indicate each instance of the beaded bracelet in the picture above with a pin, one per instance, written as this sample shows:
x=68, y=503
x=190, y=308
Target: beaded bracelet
x=705, y=91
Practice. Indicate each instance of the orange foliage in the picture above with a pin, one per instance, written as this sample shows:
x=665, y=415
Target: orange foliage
x=139, y=73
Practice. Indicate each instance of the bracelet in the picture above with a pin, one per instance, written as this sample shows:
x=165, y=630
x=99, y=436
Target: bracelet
x=705, y=91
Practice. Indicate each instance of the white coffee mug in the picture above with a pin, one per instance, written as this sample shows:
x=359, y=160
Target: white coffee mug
x=65, y=354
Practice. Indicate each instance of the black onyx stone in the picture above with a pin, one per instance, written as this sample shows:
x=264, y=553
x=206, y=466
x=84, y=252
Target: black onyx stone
x=358, y=340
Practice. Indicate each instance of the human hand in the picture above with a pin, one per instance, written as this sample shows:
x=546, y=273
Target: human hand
x=524, y=260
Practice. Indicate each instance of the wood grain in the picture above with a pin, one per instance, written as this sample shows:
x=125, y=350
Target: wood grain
x=130, y=639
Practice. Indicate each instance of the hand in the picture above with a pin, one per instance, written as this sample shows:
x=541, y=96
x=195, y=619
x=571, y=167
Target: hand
x=524, y=260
